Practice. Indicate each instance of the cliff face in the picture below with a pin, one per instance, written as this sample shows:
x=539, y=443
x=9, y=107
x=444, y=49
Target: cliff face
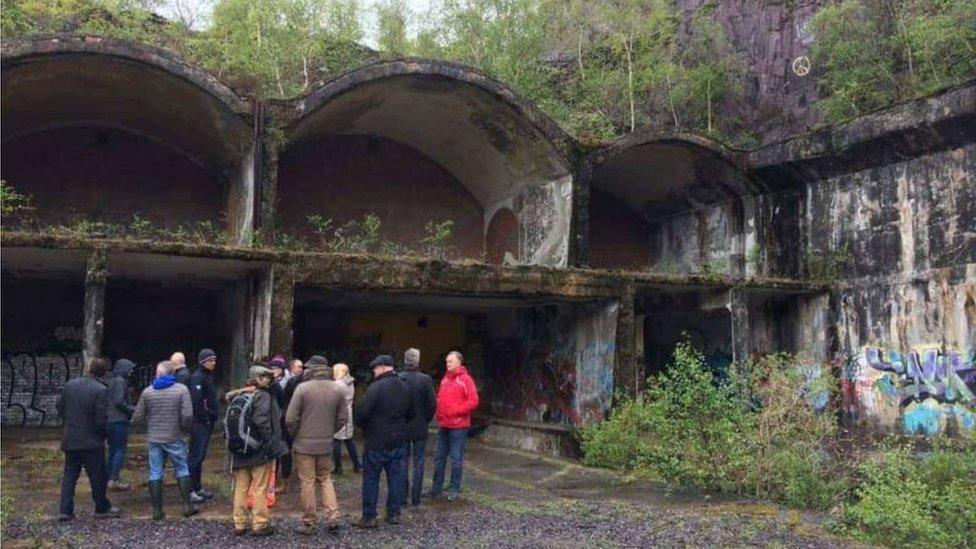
x=769, y=35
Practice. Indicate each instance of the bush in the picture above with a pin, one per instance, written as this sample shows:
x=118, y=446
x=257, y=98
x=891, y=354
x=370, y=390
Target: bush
x=686, y=429
x=924, y=500
x=690, y=429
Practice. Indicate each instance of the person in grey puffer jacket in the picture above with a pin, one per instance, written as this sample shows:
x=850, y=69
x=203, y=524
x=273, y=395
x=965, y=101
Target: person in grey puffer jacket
x=166, y=408
x=119, y=413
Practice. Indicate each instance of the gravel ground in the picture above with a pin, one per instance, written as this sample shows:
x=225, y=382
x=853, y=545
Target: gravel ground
x=511, y=499
x=466, y=523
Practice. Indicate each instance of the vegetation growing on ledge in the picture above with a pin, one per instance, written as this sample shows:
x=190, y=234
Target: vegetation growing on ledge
x=771, y=433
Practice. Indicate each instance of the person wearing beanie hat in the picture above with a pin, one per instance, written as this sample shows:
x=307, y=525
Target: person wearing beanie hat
x=383, y=416
x=206, y=410
x=252, y=472
x=424, y=402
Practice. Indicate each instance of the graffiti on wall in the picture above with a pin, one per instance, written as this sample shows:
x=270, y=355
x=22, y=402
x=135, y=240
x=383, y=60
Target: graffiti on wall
x=924, y=391
x=31, y=387
x=557, y=367
x=596, y=328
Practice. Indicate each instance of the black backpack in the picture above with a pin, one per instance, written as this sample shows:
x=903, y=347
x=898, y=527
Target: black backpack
x=237, y=425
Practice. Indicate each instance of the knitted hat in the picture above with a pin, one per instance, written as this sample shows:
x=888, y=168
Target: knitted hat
x=205, y=355
x=278, y=361
x=316, y=360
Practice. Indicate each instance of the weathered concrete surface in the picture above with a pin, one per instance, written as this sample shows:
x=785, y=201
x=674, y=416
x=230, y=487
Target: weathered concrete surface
x=510, y=499
x=886, y=207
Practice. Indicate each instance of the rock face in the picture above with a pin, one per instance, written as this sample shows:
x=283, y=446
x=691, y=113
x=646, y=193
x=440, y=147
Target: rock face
x=769, y=35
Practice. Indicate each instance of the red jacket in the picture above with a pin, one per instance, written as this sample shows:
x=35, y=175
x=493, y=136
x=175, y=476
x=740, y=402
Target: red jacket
x=457, y=397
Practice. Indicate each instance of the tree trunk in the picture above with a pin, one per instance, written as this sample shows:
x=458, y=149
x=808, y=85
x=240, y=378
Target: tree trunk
x=630, y=84
x=708, y=99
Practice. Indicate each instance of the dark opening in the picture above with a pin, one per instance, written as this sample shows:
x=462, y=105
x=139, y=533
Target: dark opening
x=147, y=321
x=619, y=236
x=704, y=320
x=532, y=361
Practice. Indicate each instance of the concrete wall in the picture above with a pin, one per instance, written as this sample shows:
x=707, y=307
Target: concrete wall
x=551, y=363
x=905, y=235
x=619, y=237
x=346, y=177
x=103, y=174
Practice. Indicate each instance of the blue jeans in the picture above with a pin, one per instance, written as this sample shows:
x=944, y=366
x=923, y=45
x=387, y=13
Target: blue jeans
x=175, y=451
x=414, y=449
x=449, y=441
x=199, y=441
x=118, y=440
x=374, y=462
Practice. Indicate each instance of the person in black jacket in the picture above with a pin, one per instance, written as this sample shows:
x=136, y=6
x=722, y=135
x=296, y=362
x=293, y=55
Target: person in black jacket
x=182, y=372
x=383, y=416
x=206, y=410
x=83, y=409
x=424, y=402
x=119, y=413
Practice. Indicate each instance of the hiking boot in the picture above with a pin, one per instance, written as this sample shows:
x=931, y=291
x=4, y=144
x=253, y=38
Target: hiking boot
x=393, y=519
x=204, y=493
x=197, y=497
x=333, y=526
x=112, y=512
x=118, y=486
x=156, y=496
x=266, y=531
x=306, y=529
x=188, y=508
x=367, y=523
x=452, y=496
x=64, y=517
x=241, y=531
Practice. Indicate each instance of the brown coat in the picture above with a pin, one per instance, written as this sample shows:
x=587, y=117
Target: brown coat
x=317, y=410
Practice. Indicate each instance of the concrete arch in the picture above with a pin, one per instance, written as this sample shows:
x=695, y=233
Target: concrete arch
x=69, y=84
x=501, y=148
x=658, y=173
x=665, y=199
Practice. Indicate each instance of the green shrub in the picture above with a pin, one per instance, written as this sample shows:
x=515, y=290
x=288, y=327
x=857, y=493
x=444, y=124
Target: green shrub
x=689, y=429
x=685, y=429
x=907, y=499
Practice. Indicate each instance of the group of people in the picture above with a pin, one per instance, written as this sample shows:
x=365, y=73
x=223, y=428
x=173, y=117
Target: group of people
x=297, y=417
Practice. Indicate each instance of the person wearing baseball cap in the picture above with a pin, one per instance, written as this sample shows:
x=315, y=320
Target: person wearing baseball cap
x=253, y=471
x=383, y=416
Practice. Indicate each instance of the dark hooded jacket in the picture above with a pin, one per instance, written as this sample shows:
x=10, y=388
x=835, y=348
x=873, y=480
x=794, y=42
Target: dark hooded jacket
x=119, y=408
x=203, y=394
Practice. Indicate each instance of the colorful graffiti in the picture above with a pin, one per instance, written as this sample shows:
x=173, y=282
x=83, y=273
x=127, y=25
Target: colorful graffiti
x=925, y=391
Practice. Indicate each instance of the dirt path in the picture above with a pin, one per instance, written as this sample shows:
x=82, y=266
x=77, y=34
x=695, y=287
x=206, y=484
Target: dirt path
x=511, y=499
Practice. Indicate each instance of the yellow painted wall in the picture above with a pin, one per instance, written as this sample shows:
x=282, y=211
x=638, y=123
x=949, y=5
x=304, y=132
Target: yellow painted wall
x=400, y=331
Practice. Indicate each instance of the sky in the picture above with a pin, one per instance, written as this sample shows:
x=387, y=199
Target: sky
x=172, y=8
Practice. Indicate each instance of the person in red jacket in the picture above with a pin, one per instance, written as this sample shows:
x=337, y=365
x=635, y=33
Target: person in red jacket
x=457, y=397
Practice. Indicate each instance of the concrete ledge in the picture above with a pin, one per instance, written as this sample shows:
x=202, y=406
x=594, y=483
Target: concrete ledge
x=546, y=439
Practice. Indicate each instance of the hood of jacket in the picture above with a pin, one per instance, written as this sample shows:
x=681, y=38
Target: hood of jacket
x=163, y=382
x=123, y=368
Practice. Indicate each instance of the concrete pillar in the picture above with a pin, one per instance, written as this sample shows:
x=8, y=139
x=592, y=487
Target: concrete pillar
x=627, y=373
x=261, y=317
x=282, y=309
x=94, y=307
x=579, y=252
x=739, y=309
x=272, y=141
